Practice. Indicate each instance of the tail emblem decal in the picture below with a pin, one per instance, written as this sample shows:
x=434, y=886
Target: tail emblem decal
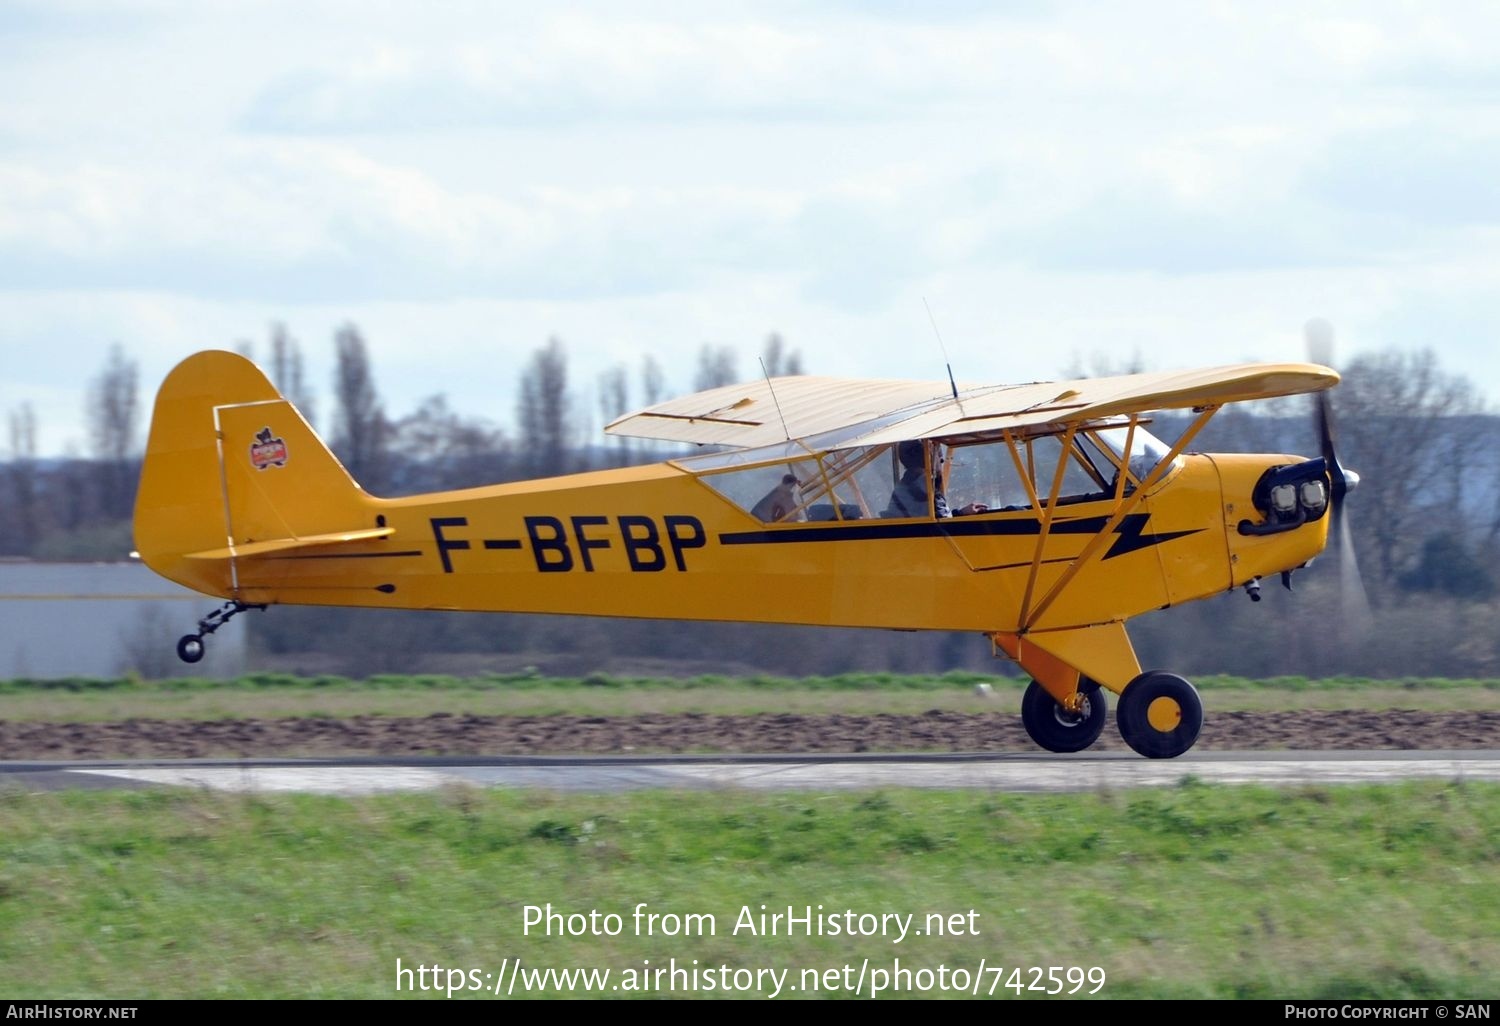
x=267, y=450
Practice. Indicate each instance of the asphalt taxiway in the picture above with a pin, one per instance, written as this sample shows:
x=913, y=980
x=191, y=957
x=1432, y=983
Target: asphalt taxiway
x=1010, y=772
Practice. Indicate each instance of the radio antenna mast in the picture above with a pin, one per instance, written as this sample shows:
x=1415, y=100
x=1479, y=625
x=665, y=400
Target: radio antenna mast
x=767, y=375
x=943, y=349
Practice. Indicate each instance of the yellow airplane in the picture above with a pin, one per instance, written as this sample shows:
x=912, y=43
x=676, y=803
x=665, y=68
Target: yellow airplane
x=1042, y=515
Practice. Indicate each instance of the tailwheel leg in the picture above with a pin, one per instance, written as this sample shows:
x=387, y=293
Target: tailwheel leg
x=1159, y=715
x=1064, y=728
x=190, y=648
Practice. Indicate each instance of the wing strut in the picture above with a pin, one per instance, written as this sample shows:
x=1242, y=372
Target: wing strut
x=1047, y=513
x=1029, y=616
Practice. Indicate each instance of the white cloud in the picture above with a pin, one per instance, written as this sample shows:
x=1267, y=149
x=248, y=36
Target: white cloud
x=465, y=179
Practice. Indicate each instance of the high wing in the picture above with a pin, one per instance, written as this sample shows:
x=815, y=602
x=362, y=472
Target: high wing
x=761, y=412
x=866, y=411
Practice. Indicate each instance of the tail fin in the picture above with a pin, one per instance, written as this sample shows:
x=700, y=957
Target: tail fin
x=232, y=470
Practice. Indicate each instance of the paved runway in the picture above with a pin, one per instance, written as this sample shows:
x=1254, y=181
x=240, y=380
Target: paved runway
x=1019, y=773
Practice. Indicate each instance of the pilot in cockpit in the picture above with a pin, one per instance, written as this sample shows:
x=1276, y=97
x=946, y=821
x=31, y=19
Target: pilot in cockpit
x=909, y=497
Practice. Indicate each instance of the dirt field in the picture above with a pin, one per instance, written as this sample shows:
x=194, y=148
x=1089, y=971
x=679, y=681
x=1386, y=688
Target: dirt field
x=936, y=731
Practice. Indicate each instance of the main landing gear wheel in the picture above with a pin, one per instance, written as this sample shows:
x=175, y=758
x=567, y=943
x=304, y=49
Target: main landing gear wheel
x=1058, y=729
x=1159, y=715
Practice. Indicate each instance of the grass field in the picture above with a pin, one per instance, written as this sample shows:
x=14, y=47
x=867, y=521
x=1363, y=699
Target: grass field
x=274, y=695
x=1196, y=891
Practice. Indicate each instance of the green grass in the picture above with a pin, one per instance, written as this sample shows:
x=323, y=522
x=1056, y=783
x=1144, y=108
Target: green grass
x=1196, y=891
x=1353, y=892
x=265, y=696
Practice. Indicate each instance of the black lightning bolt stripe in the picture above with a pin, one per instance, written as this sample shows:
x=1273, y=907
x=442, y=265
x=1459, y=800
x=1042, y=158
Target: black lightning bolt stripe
x=1130, y=532
x=1130, y=535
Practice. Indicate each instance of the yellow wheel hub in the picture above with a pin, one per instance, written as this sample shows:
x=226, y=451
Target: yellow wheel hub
x=1164, y=714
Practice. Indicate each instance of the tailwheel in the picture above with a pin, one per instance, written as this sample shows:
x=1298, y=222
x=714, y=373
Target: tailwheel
x=190, y=648
x=1058, y=729
x=1159, y=715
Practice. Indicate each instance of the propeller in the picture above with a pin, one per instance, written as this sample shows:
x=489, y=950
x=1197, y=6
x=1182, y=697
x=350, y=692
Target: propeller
x=1352, y=594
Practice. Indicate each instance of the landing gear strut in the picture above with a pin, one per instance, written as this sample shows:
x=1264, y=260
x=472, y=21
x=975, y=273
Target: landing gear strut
x=190, y=646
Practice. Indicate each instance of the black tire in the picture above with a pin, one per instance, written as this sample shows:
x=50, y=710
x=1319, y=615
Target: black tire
x=1057, y=730
x=190, y=648
x=1159, y=715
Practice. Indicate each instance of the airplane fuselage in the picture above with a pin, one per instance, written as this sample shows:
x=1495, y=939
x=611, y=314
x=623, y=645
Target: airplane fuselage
x=656, y=542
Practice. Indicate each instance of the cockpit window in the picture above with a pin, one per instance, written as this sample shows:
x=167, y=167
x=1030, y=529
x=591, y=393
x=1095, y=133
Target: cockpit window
x=972, y=475
x=773, y=493
x=1001, y=475
x=845, y=484
x=1146, y=450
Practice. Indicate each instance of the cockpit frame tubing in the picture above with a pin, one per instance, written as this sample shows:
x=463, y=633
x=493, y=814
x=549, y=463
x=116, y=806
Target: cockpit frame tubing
x=1048, y=511
x=1029, y=617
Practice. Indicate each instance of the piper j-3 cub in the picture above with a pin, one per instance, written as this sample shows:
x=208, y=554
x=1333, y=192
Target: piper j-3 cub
x=1042, y=515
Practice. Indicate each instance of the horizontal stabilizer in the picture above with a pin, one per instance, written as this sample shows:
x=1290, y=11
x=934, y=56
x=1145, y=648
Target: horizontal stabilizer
x=265, y=548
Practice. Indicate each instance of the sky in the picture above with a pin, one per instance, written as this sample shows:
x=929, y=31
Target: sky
x=1060, y=184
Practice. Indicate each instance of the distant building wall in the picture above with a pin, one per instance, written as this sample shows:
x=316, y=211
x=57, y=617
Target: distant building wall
x=105, y=620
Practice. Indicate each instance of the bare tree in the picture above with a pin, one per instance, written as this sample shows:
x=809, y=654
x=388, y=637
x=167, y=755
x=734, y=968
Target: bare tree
x=543, y=410
x=778, y=360
x=440, y=449
x=1395, y=411
x=360, y=427
x=1103, y=365
x=715, y=368
x=112, y=417
x=653, y=384
x=19, y=520
x=614, y=402
x=112, y=408
x=286, y=371
x=285, y=368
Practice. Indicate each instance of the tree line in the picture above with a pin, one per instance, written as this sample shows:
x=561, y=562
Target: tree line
x=1425, y=523
x=79, y=506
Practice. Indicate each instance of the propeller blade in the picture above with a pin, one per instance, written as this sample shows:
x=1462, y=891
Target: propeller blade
x=1336, y=475
x=1319, y=335
x=1354, y=599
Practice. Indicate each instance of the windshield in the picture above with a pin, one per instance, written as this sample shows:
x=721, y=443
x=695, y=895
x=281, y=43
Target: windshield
x=1146, y=450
